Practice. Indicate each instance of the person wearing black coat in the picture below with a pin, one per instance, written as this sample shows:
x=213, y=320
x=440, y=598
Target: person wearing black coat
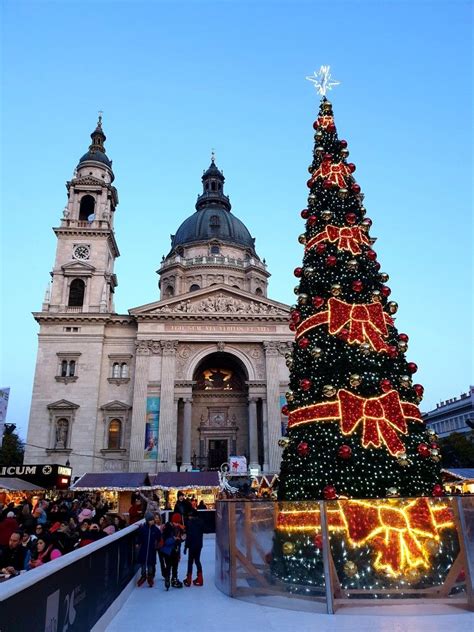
x=149, y=535
x=194, y=536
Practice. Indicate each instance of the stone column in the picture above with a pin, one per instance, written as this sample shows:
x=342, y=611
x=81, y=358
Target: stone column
x=266, y=466
x=273, y=405
x=137, y=429
x=188, y=409
x=168, y=408
x=253, y=433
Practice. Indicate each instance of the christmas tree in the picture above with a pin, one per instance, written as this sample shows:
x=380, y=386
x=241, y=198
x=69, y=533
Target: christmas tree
x=354, y=427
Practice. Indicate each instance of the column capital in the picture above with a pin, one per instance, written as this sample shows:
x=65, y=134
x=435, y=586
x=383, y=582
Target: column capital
x=253, y=399
x=142, y=347
x=169, y=347
x=270, y=348
x=188, y=400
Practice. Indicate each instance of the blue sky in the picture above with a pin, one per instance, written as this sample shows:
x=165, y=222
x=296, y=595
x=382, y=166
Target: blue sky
x=177, y=79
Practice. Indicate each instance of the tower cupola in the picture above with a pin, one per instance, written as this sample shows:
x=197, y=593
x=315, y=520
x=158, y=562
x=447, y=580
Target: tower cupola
x=213, y=189
x=97, y=151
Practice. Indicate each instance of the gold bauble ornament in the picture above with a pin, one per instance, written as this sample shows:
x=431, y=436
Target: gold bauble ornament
x=302, y=299
x=302, y=239
x=384, y=277
x=288, y=548
x=392, y=307
x=289, y=363
x=405, y=381
x=290, y=396
x=365, y=348
x=316, y=352
x=402, y=346
x=308, y=271
x=376, y=296
x=350, y=569
x=363, y=210
x=344, y=152
x=403, y=460
x=310, y=169
x=326, y=215
x=432, y=546
x=296, y=289
x=318, y=135
x=352, y=264
x=365, y=225
x=336, y=289
x=354, y=380
x=283, y=442
x=288, y=354
x=392, y=492
x=311, y=197
x=413, y=575
x=329, y=390
x=343, y=193
x=319, y=150
x=327, y=105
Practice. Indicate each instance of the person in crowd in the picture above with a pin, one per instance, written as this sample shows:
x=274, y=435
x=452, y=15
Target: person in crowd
x=39, y=513
x=182, y=506
x=202, y=504
x=12, y=556
x=27, y=521
x=85, y=514
x=173, y=534
x=193, y=544
x=106, y=526
x=46, y=550
x=159, y=545
x=149, y=535
x=194, y=502
x=66, y=538
x=6, y=510
x=7, y=527
x=135, y=512
x=40, y=530
x=119, y=523
x=28, y=542
x=152, y=504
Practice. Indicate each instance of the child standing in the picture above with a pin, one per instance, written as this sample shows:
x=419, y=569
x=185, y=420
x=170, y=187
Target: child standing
x=148, y=536
x=173, y=534
x=194, y=534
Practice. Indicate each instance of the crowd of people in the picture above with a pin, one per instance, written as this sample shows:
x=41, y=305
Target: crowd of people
x=35, y=532
x=163, y=542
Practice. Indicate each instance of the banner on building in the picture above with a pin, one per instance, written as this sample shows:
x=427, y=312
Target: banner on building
x=152, y=427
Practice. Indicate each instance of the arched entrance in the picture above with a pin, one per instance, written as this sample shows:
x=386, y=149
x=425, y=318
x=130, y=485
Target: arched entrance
x=219, y=411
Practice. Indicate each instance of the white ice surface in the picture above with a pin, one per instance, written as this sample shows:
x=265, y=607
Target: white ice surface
x=207, y=609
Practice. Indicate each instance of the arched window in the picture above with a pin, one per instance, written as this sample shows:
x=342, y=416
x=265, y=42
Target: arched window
x=76, y=293
x=215, y=250
x=62, y=430
x=169, y=291
x=116, y=370
x=86, y=208
x=213, y=186
x=194, y=287
x=114, y=434
x=124, y=370
x=214, y=221
x=258, y=291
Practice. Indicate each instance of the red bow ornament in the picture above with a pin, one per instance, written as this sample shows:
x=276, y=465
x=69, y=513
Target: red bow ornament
x=347, y=238
x=335, y=173
x=381, y=418
x=325, y=121
x=366, y=321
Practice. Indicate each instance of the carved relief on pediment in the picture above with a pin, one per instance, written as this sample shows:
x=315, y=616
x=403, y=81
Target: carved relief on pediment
x=221, y=304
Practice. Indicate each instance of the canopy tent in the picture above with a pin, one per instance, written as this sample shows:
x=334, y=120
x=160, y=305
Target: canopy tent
x=112, y=481
x=185, y=480
x=17, y=485
x=458, y=479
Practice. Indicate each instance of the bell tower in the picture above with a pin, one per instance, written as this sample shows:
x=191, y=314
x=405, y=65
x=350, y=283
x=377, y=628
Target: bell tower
x=83, y=278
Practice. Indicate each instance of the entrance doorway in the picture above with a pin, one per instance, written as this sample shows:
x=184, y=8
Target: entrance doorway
x=217, y=453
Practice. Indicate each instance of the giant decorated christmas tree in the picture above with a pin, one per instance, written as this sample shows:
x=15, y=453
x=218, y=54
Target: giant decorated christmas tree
x=354, y=427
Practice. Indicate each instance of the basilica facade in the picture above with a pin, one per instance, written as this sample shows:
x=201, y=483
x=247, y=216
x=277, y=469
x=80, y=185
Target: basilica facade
x=183, y=382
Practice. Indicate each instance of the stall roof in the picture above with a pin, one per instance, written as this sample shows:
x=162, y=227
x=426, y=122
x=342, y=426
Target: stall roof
x=18, y=485
x=460, y=473
x=184, y=480
x=115, y=481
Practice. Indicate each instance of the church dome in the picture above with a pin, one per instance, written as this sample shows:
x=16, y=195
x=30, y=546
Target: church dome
x=96, y=152
x=213, y=218
x=96, y=156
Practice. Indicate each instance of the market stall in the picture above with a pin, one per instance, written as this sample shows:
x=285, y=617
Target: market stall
x=16, y=490
x=116, y=488
x=458, y=480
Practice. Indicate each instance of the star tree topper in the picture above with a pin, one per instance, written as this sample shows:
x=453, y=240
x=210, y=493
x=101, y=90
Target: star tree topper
x=322, y=80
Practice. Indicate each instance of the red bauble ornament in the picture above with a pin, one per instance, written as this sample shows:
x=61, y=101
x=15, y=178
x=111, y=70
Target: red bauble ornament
x=377, y=265
x=327, y=184
x=424, y=450
x=327, y=157
x=320, y=248
x=461, y=577
x=331, y=261
x=303, y=449
x=292, y=327
x=329, y=492
x=419, y=389
x=318, y=301
x=434, y=446
x=331, y=128
x=343, y=143
x=303, y=343
x=412, y=368
x=312, y=219
x=371, y=254
x=403, y=337
x=298, y=272
x=392, y=351
x=351, y=218
x=344, y=452
x=351, y=166
x=306, y=384
x=385, y=385
x=343, y=335
x=309, y=183
x=295, y=316
x=357, y=285
x=438, y=490
x=284, y=410
x=367, y=221
x=385, y=291
x=316, y=124
x=318, y=541
x=305, y=213
x=355, y=188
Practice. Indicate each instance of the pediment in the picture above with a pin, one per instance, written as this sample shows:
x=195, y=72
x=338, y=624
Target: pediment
x=88, y=181
x=218, y=299
x=62, y=404
x=78, y=267
x=115, y=405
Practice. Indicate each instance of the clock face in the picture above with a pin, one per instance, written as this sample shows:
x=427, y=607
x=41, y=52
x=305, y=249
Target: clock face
x=81, y=252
